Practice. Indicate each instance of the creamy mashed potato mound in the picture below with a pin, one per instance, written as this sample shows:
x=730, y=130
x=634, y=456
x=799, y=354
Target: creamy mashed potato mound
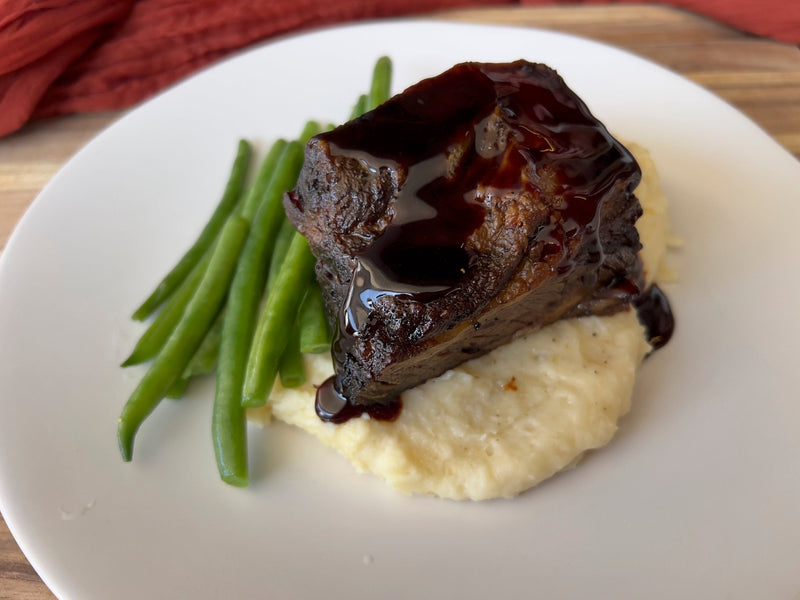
x=502, y=423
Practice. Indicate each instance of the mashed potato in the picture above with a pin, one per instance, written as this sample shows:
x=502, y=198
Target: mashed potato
x=500, y=424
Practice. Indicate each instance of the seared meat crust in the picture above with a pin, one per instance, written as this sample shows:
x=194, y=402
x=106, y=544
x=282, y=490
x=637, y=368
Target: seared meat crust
x=477, y=205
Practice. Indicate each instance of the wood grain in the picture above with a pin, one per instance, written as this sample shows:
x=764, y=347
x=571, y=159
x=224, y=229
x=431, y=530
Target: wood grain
x=760, y=77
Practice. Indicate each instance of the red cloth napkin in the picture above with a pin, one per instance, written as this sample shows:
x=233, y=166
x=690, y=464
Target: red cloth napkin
x=64, y=56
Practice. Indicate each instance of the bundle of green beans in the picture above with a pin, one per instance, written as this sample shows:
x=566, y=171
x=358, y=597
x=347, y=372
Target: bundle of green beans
x=205, y=312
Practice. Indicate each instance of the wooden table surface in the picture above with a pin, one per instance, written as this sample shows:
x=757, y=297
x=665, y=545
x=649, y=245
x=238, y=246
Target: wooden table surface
x=760, y=77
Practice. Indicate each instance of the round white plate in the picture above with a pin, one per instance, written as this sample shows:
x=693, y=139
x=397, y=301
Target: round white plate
x=697, y=497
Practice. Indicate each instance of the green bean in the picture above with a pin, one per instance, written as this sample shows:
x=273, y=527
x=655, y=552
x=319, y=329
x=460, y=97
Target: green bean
x=187, y=336
x=315, y=333
x=155, y=336
x=265, y=173
x=282, y=241
x=310, y=129
x=177, y=389
x=381, y=83
x=159, y=330
x=290, y=366
x=228, y=426
x=273, y=329
x=207, y=236
x=204, y=360
x=360, y=107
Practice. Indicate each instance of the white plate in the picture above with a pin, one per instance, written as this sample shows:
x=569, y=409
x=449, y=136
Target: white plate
x=696, y=498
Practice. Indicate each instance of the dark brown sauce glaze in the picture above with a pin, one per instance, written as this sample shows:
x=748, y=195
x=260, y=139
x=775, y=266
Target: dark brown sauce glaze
x=655, y=315
x=437, y=135
x=333, y=407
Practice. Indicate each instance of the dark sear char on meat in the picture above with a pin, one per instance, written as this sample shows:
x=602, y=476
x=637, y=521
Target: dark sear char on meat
x=475, y=206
